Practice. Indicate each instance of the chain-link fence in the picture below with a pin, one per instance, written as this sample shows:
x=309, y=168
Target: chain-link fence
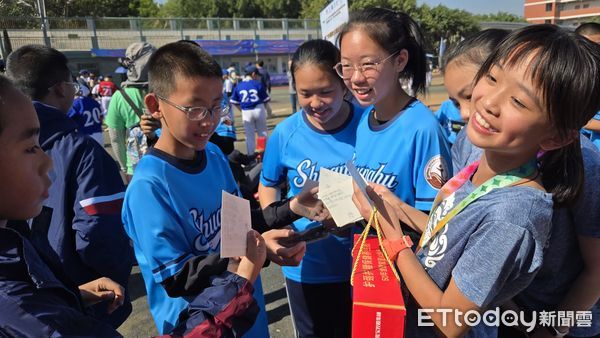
x=117, y=33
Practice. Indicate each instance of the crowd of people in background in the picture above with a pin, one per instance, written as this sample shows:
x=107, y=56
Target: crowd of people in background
x=498, y=190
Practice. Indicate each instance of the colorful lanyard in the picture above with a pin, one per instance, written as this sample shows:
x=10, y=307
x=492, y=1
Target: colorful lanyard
x=499, y=181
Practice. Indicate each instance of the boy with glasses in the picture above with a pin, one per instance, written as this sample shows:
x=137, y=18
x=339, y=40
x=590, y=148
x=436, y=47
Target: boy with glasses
x=173, y=204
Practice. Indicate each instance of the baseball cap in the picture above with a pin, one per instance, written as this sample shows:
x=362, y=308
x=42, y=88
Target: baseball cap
x=250, y=69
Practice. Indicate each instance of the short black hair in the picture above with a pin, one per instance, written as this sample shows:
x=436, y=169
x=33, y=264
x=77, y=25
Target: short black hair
x=588, y=28
x=261, y=63
x=182, y=59
x=475, y=49
x=36, y=68
x=566, y=69
x=5, y=86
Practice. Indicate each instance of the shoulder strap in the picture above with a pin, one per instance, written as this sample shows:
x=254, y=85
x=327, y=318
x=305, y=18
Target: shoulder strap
x=135, y=108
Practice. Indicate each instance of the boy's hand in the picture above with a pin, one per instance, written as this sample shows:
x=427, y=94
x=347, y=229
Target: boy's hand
x=249, y=266
x=100, y=290
x=306, y=204
x=256, y=250
x=280, y=254
x=149, y=125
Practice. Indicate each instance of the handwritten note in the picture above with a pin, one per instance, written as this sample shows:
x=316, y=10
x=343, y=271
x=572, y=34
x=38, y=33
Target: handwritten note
x=360, y=181
x=335, y=190
x=235, y=224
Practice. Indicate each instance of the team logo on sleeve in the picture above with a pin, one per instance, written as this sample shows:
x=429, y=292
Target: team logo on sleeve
x=436, y=172
x=209, y=238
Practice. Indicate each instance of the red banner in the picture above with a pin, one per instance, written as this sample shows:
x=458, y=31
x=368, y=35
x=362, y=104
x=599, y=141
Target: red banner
x=377, y=305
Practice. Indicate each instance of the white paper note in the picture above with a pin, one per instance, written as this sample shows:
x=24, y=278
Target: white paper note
x=235, y=224
x=335, y=190
x=360, y=181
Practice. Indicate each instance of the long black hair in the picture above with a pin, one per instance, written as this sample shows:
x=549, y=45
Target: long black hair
x=566, y=69
x=317, y=52
x=393, y=31
x=475, y=49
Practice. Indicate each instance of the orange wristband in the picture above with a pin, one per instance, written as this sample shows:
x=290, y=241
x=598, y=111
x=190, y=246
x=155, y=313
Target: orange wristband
x=393, y=248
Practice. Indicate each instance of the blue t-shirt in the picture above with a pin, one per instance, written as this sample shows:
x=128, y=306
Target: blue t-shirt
x=594, y=135
x=463, y=152
x=408, y=154
x=492, y=249
x=562, y=259
x=449, y=117
x=249, y=93
x=86, y=112
x=296, y=151
x=172, y=212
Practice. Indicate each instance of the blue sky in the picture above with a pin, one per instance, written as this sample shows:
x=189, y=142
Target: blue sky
x=480, y=6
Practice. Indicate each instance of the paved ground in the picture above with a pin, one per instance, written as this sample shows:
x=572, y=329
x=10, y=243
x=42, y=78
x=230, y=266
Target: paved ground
x=140, y=323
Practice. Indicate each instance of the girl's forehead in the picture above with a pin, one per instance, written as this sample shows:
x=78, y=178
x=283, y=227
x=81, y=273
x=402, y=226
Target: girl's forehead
x=358, y=40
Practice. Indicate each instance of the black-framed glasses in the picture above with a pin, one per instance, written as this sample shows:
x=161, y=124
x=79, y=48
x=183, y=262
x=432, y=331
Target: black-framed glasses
x=198, y=113
x=76, y=86
x=367, y=69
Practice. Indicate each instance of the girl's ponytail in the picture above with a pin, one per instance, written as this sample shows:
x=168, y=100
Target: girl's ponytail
x=416, y=68
x=562, y=173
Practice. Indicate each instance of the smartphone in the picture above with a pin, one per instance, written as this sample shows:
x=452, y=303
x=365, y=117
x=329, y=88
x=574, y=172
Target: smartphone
x=309, y=236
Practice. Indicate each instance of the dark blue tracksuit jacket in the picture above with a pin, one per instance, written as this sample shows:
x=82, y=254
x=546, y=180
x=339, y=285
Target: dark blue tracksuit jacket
x=38, y=301
x=80, y=229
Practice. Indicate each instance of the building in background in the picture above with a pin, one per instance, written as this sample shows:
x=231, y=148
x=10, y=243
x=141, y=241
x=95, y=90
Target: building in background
x=562, y=12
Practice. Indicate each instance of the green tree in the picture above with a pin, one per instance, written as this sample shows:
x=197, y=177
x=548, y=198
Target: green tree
x=500, y=16
x=311, y=9
x=145, y=8
x=189, y=8
x=442, y=22
x=408, y=6
x=279, y=8
x=70, y=8
x=15, y=8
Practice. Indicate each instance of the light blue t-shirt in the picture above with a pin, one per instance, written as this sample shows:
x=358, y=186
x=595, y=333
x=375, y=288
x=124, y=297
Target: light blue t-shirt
x=463, y=151
x=172, y=212
x=594, y=135
x=492, y=249
x=296, y=151
x=562, y=259
x=449, y=118
x=408, y=154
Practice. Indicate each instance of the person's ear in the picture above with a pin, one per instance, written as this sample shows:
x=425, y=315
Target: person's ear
x=555, y=141
x=401, y=60
x=151, y=101
x=58, y=90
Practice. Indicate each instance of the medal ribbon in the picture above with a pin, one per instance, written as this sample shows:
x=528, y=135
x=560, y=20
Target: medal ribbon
x=499, y=181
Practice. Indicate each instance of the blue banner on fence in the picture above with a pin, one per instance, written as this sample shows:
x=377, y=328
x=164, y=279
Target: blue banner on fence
x=277, y=46
x=226, y=47
x=108, y=53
